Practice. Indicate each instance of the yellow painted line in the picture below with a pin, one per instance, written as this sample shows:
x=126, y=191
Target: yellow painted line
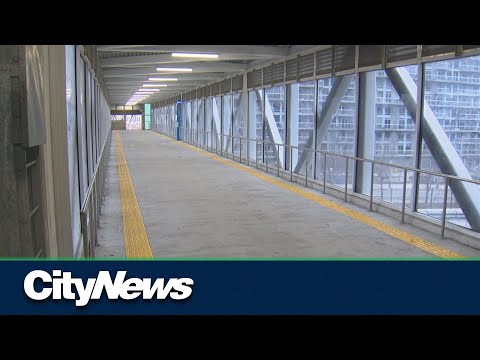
x=134, y=233
x=411, y=239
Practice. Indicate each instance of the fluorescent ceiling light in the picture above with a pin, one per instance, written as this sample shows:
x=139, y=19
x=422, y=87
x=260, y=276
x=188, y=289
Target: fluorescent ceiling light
x=174, y=69
x=147, y=90
x=163, y=79
x=154, y=85
x=196, y=55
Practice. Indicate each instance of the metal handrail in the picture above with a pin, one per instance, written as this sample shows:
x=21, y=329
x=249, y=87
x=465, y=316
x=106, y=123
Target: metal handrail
x=453, y=177
x=194, y=138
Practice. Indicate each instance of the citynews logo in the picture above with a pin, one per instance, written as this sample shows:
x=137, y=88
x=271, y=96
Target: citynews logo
x=59, y=285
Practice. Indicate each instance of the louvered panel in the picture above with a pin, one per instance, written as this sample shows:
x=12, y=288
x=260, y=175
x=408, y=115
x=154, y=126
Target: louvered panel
x=226, y=86
x=237, y=83
x=215, y=89
x=258, y=78
x=250, y=79
x=344, y=57
x=291, y=70
x=305, y=66
x=267, y=75
x=370, y=55
x=324, y=61
x=278, y=73
x=401, y=52
x=430, y=50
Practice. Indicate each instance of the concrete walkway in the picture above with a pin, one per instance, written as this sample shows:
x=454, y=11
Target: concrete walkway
x=195, y=206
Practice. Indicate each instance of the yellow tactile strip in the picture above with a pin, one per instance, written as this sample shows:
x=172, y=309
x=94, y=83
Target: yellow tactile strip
x=134, y=233
x=356, y=215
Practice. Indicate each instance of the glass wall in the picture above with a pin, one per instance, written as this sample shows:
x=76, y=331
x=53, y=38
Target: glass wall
x=391, y=138
x=239, y=124
x=201, y=121
x=208, y=121
x=275, y=124
x=337, y=126
x=450, y=135
x=226, y=123
x=255, y=124
x=370, y=115
x=217, y=121
x=301, y=107
x=195, y=120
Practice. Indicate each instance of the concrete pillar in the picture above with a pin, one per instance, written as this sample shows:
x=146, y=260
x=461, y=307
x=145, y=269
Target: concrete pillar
x=66, y=234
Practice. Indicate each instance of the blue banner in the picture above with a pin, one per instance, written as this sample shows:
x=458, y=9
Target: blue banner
x=239, y=287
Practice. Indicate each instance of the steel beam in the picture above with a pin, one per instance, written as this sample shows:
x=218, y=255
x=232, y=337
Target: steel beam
x=445, y=155
x=334, y=99
x=217, y=119
x=272, y=127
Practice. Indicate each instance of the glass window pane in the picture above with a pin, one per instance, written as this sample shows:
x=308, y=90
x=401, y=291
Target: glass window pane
x=208, y=121
x=255, y=124
x=338, y=135
x=451, y=136
x=201, y=122
x=226, y=123
x=301, y=101
x=275, y=127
